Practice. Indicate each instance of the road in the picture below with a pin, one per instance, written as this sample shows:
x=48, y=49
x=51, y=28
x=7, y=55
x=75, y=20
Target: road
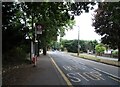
x=85, y=72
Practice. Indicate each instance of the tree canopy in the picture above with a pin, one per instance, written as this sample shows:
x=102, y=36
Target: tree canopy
x=107, y=24
x=72, y=45
x=100, y=48
x=55, y=16
x=19, y=18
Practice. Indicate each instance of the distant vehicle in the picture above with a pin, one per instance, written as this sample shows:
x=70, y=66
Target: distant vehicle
x=90, y=52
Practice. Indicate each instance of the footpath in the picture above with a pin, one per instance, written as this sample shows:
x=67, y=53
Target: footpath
x=44, y=73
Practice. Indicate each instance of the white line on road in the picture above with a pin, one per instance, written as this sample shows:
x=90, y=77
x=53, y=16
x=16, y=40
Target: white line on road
x=89, y=76
x=82, y=76
x=114, y=79
x=107, y=73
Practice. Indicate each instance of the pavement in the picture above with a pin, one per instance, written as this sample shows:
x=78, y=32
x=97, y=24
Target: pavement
x=44, y=73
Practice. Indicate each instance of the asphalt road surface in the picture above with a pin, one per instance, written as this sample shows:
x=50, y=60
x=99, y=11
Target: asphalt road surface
x=85, y=72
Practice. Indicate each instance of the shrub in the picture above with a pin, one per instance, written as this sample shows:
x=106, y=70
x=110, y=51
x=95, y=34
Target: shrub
x=100, y=48
x=115, y=53
x=15, y=55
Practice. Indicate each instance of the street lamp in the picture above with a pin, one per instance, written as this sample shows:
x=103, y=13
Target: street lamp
x=78, y=42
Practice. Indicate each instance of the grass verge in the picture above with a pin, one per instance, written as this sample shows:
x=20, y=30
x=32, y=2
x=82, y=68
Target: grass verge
x=97, y=59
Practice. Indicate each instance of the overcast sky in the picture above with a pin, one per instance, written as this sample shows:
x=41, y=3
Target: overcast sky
x=84, y=21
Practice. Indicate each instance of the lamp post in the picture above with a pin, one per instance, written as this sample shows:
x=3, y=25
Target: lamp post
x=78, y=42
x=38, y=30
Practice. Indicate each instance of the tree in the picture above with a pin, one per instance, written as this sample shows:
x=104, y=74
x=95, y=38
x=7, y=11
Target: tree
x=90, y=45
x=8, y=34
x=107, y=24
x=12, y=29
x=54, y=16
x=72, y=45
x=18, y=21
x=14, y=45
x=100, y=48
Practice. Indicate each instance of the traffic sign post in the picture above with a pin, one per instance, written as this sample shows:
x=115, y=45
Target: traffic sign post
x=39, y=28
x=38, y=31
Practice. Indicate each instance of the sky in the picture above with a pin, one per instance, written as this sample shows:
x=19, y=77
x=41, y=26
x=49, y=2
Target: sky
x=86, y=30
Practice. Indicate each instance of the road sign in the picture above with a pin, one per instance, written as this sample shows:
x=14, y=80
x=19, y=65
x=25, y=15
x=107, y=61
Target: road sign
x=39, y=28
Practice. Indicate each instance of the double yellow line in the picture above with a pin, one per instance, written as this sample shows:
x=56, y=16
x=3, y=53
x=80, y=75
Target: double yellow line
x=62, y=74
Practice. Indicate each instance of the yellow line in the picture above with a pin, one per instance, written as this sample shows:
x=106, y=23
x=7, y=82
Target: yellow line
x=114, y=79
x=62, y=74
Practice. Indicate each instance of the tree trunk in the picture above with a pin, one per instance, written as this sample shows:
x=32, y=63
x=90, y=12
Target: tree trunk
x=44, y=50
x=119, y=53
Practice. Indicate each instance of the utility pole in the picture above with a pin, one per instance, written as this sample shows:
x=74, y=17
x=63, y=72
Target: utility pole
x=78, y=42
x=32, y=51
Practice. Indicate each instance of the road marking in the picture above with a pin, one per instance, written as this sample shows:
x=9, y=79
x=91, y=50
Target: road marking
x=62, y=74
x=81, y=63
x=107, y=73
x=65, y=68
x=114, y=79
x=73, y=78
x=90, y=76
x=94, y=70
x=96, y=75
x=68, y=68
x=82, y=76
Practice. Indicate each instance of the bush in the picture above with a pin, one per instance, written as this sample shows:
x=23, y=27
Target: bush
x=100, y=48
x=115, y=53
x=15, y=55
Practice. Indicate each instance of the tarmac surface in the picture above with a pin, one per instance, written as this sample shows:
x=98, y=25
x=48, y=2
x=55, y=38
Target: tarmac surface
x=44, y=73
x=85, y=72
x=62, y=69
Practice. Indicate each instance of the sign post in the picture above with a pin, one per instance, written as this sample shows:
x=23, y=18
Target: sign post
x=38, y=31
